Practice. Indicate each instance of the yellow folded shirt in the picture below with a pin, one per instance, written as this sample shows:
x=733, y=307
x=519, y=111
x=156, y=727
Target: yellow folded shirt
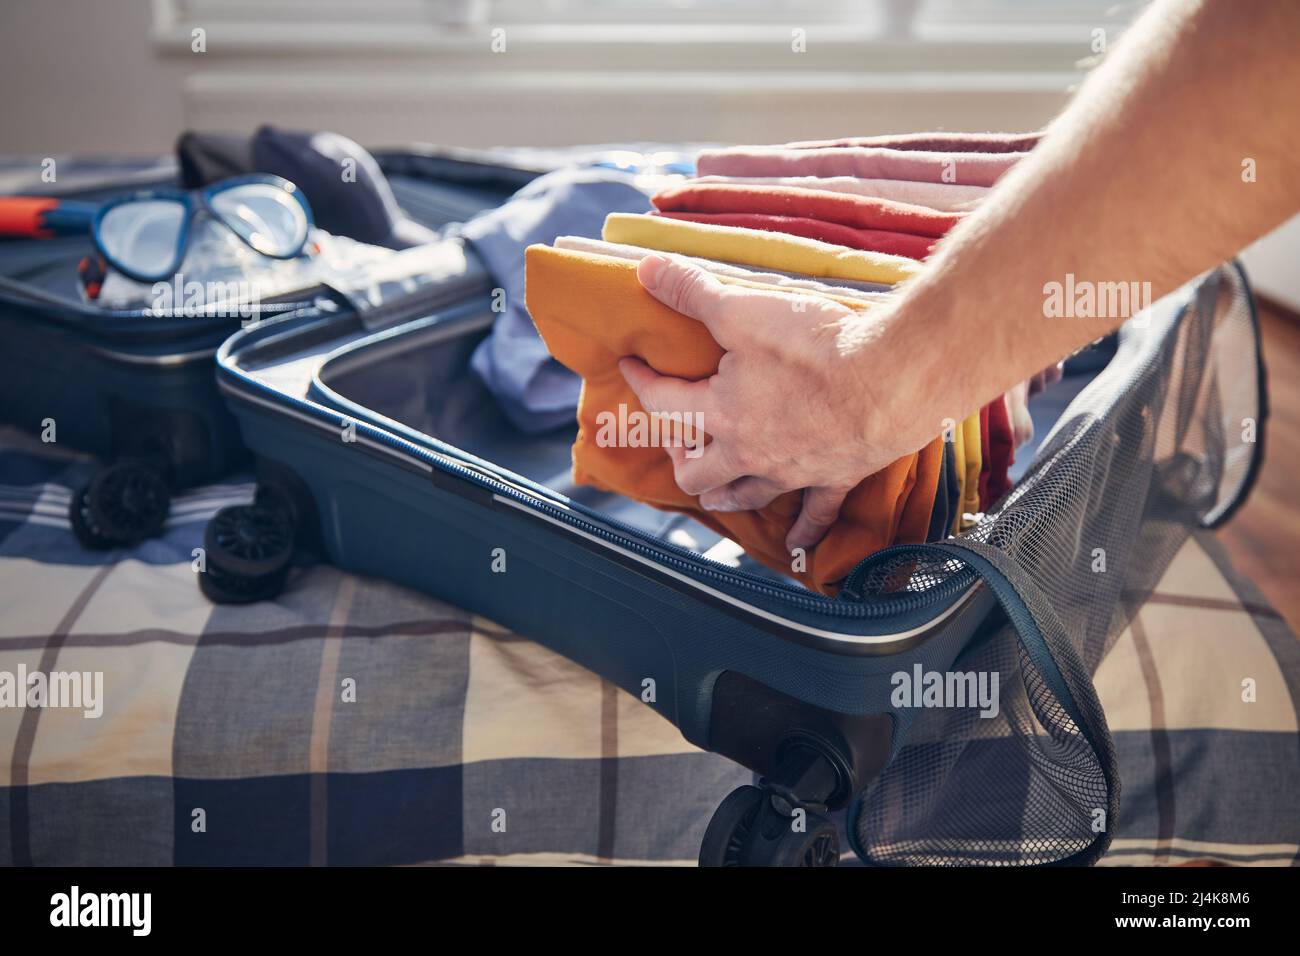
x=754, y=247
x=959, y=459
x=970, y=489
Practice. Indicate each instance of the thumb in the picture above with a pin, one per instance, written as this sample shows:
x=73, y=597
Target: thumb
x=821, y=506
x=683, y=287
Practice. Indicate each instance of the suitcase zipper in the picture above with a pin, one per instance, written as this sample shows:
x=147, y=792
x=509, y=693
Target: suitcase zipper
x=852, y=605
x=847, y=604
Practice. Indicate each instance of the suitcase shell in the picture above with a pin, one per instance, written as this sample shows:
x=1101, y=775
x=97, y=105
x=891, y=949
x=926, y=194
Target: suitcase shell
x=796, y=686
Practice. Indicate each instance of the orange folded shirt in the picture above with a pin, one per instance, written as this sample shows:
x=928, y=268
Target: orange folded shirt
x=591, y=310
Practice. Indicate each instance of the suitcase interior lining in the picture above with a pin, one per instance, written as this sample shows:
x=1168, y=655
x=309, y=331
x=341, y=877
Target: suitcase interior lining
x=422, y=379
x=48, y=265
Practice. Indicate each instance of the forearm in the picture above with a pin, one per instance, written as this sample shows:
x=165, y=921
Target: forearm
x=1140, y=180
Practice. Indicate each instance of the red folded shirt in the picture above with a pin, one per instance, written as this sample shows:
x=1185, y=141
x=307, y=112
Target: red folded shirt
x=986, y=459
x=936, y=142
x=846, y=209
x=873, y=240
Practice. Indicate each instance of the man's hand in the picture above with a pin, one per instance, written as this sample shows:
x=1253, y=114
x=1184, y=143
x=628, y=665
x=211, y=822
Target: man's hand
x=811, y=395
x=791, y=407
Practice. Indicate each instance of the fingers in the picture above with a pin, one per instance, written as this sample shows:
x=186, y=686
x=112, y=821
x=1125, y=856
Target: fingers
x=689, y=290
x=1022, y=424
x=1024, y=430
x=744, y=494
x=1047, y=377
x=697, y=467
x=821, y=506
x=698, y=471
x=663, y=394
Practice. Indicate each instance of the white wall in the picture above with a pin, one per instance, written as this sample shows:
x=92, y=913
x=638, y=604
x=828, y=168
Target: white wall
x=1273, y=264
x=83, y=75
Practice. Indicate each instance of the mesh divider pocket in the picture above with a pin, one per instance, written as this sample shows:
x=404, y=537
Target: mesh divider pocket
x=1164, y=440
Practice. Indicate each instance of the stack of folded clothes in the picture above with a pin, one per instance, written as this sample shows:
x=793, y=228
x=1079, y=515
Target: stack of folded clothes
x=847, y=220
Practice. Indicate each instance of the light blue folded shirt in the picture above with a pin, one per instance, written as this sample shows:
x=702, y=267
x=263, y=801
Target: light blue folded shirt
x=535, y=391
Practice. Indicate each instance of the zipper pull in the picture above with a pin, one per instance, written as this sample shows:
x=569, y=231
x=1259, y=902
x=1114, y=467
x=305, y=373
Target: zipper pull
x=849, y=593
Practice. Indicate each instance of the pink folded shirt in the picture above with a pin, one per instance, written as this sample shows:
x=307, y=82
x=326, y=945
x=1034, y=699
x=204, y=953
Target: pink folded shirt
x=868, y=162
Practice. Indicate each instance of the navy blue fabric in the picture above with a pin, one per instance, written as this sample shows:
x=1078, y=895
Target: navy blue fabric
x=362, y=208
x=206, y=158
x=534, y=390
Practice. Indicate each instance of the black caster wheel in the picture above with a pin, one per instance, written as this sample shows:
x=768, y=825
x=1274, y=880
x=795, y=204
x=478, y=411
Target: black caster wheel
x=127, y=502
x=248, y=549
x=251, y=541
x=83, y=523
x=754, y=826
x=727, y=834
x=818, y=845
x=224, y=587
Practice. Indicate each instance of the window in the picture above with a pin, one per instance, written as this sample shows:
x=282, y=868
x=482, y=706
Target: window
x=415, y=24
x=623, y=70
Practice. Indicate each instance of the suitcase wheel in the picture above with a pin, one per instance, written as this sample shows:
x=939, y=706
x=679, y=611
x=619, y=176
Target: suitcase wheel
x=248, y=549
x=83, y=523
x=222, y=587
x=249, y=540
x=757, y=826
x=123, y=505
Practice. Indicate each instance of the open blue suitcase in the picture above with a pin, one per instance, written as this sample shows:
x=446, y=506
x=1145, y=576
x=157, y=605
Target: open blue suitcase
x=138, y=390
x=376, y=443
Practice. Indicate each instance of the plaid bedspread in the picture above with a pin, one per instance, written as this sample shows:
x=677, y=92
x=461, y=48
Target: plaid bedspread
x=355, y=722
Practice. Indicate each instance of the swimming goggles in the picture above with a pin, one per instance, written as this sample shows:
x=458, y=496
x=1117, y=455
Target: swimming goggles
x=145, y=235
